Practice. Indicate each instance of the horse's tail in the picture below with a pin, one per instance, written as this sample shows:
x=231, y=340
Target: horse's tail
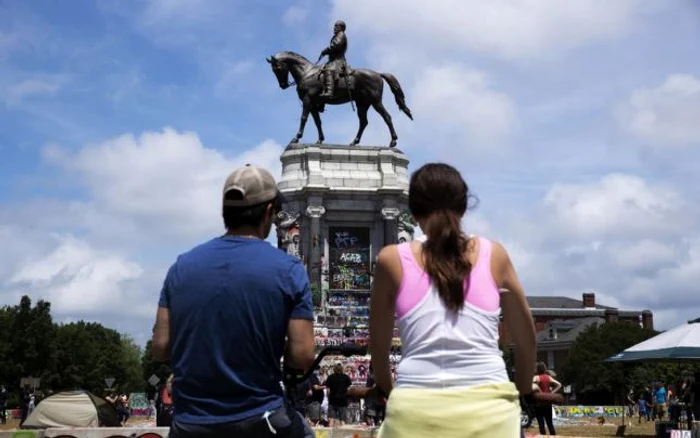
x=398, y=93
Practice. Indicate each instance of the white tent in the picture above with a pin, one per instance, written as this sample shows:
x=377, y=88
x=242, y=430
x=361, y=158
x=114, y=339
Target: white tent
x=680, y=343
x=72, y=409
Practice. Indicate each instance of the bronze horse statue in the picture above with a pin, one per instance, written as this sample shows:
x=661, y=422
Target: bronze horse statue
x=361, y=86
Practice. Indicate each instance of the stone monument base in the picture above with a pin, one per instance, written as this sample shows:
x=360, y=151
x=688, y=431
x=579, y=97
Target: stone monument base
x=343, y=197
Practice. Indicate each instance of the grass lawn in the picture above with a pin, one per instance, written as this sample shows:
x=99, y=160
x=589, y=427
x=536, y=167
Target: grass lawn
x=607, y=430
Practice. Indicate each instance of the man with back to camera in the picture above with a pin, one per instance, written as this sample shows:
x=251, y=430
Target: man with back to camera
x=338, y=384
x=223, y=314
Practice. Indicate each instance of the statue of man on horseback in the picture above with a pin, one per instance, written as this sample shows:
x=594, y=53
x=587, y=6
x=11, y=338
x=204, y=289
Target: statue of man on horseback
x=336, y=58
x=315, y=86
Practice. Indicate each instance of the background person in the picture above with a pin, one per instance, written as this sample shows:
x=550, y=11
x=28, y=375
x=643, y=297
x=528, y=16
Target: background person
x=314, y=410
x=660, y=401
x=546, y=384
x=3, y=404
x=446, y=295
x=338, y=384
x=164, y=409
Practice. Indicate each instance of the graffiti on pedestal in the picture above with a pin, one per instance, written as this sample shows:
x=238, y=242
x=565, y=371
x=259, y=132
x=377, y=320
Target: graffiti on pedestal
x=349, y=249
x=288, y=236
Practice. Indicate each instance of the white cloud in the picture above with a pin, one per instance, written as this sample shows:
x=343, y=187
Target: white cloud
x=167, y=182
x=617, y=205
x=78, y=279
x=458, y=98
x=505, y=28
x=643, y=255
x=147, y=198
x=174, y=12
x=674, y=285
x=634, y=242
x=295, y=14
x=666, y=115
x=28, y=88
x=234, y=76
x=8, y=42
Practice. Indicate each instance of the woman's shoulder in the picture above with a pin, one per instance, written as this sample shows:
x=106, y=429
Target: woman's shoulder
x=388, y=254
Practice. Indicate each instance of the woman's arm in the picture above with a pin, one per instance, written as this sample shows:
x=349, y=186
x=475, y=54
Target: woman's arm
x=556, y=386
x=381, y=314
x=517, y=317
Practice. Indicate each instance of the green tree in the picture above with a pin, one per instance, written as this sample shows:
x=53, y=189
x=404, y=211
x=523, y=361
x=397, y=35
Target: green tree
x=133, y=373
x=85, y=355
x=593, y=378
x=31, y=338
x=78, y=355
x=152, y=367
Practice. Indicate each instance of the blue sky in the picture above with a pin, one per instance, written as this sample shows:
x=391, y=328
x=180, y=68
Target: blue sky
x=575, y=123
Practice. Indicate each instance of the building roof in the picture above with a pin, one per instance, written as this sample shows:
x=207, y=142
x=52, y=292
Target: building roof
x=559, y=303
x=566, y=330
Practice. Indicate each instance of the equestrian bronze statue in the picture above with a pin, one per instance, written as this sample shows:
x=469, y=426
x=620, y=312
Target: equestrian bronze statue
x=336, y=83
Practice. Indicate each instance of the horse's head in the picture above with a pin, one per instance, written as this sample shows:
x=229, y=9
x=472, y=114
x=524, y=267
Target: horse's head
x=281, y=71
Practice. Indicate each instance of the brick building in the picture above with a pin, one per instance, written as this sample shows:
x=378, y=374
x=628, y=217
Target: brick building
x=559, y=321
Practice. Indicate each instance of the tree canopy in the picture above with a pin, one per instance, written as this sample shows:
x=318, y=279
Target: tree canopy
x=597, y=381
x=77, y=355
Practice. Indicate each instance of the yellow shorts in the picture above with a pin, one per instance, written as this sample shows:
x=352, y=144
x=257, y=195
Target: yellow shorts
x=491, y=411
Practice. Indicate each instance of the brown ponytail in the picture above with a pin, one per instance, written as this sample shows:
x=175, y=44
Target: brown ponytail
x=444, y=257
x=438, y=198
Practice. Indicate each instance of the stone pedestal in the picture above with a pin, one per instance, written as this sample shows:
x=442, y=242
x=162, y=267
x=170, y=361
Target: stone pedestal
x=350, y=201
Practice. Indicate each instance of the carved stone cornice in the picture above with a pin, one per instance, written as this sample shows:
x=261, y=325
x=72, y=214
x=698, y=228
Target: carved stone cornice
x=390, y=213
x=315, y=211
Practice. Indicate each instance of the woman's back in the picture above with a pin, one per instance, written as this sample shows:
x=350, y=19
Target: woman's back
x=442, y=348
x=443, y=294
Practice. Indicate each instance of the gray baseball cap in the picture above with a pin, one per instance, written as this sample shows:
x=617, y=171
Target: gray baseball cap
x=254, y=184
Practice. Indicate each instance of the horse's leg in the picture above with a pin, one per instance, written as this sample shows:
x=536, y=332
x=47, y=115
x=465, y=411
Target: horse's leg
x=379, y=107
x=317, y=120
x=302, y=123
x=362, y=116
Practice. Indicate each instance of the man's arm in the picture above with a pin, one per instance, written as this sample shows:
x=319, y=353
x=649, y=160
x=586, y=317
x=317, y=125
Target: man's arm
x=301, y=348
x=160, y=346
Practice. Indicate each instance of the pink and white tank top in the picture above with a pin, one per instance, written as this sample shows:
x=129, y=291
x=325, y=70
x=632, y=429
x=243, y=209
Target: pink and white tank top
x=441, y=349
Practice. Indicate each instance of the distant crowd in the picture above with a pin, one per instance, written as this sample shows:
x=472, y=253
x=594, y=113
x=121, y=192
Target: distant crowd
x=675, y=402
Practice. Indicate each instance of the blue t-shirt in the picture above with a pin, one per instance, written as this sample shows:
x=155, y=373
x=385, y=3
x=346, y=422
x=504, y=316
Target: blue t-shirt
x=230, y=302
x=661, y=395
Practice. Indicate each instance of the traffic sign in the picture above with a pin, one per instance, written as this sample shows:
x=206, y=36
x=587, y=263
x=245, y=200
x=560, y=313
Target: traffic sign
x=153, y=380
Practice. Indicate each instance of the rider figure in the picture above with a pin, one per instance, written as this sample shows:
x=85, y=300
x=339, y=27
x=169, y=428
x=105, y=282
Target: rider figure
x=336, y=57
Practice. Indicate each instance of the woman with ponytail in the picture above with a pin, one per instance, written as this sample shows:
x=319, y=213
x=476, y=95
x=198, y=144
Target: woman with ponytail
x=446, y=292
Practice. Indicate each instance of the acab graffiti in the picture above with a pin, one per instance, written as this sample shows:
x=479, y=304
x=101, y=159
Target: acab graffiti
x=351, y=257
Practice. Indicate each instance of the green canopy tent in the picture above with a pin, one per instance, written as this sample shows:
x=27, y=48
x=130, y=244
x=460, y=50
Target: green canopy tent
x=681, y=343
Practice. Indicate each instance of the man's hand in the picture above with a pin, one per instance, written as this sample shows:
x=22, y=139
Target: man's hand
x=320, y=57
